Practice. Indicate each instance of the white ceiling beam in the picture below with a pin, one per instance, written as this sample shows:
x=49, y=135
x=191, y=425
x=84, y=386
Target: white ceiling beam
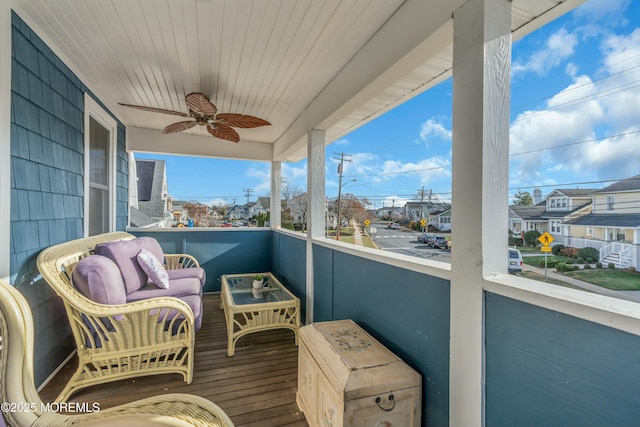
x=391, y=53
x=153, y=141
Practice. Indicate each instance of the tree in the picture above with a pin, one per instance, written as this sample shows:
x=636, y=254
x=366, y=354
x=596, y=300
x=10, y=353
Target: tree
x=352, y=208
x=531, y=237
x=523, y=198
x=197, y=211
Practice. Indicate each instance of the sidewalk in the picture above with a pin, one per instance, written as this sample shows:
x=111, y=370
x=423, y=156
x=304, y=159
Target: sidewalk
x=551, y=273
x=357, y=233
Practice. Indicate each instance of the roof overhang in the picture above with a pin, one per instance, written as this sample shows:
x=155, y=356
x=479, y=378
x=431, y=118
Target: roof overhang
x=301, y=65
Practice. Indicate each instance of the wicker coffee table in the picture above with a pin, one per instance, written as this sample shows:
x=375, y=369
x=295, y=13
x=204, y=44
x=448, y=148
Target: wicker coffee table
x=248, y=310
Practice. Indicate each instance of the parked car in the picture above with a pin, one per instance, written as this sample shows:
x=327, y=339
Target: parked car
x=440, y=242
x=394, y=226
x=426, y=237
x=515, y=261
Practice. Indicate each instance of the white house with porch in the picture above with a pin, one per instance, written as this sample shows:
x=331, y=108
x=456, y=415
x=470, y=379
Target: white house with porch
x=613, y=226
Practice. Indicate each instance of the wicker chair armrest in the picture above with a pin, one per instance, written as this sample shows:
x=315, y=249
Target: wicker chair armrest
x=177, y=261
x=92, y=308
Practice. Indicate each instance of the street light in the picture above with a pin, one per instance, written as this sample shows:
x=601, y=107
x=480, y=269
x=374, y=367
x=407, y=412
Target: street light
x=340, y=185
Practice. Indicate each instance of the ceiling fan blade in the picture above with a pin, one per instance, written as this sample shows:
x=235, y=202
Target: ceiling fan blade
x=242, y=121
x=198, y=103
x=223, y=131
x=179, y=127
x=155, y=110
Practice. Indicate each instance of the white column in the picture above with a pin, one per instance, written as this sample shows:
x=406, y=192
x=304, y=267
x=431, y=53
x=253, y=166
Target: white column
x=5, y=138
x=315, y=204
x=481, y=92
x=275, y=201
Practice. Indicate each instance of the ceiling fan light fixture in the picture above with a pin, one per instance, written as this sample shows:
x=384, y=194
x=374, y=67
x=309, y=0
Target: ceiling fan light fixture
x=205, y=113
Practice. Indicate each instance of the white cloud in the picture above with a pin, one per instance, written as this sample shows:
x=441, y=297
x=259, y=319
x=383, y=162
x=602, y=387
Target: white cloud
x=599, y=10
x=263, y=176
x=597, y=121
x=431, y=128
x=429, y=170
x=558, y=47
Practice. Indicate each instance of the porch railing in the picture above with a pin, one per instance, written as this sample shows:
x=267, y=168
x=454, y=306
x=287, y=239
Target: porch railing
x=618, y=253
x=580, y=242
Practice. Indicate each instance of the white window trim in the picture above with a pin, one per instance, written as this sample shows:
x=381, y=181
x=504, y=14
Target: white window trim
x=93, y=109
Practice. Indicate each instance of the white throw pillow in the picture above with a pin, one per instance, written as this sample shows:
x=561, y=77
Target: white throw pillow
x=154, y=268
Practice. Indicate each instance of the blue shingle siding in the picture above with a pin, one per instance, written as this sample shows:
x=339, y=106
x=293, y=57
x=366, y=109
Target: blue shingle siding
x=47, y=186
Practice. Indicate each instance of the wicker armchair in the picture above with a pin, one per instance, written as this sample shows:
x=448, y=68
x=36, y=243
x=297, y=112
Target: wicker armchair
x=146, y=337
x=17, y=387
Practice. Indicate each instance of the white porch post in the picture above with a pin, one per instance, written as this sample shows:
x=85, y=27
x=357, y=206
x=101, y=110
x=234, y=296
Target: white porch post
x=481, y=68
x=275, y=201
x=5, y=139
x=315, y=204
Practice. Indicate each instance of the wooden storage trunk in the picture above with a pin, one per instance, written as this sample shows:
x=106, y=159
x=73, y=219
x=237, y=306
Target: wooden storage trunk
x=348, y=379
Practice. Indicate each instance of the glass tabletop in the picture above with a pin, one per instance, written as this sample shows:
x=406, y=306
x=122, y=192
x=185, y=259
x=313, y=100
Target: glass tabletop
x=243, y=293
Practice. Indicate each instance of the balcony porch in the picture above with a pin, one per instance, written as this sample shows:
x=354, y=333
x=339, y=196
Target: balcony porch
x=256, y=387
x=492, y=349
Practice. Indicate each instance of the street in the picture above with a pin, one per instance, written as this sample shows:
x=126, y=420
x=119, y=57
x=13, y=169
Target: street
x=405, y=242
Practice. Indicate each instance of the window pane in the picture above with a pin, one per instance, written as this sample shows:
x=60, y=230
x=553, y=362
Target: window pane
x=98, y=211
x=99, y=153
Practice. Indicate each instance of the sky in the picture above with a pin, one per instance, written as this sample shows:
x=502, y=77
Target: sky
x=575, y=123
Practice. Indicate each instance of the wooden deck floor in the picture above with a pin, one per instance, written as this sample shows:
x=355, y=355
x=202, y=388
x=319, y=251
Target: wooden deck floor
x=256, y=387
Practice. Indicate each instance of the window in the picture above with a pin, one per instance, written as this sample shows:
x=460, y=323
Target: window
x=555, y=226
x=589, y=231
x=558, y=202
x=100, y=147
x=610, y=202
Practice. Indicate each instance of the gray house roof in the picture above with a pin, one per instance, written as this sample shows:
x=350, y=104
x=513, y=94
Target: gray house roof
x=575, y=192
x=562, y=214
x=150, y=181
x=608, y=220
x=138, y=219
x=629, y=184
x=528, y=212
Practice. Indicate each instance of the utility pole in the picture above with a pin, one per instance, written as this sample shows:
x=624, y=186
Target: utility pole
x=343, y=158
x=422, y=194
x=247, y=193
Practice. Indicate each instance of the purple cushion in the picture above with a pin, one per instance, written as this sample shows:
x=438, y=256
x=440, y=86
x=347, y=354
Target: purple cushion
x=195, y=302
x=124, y=254
x=194, y=272
x=98, y=278
x=178, y=288
x=153, y=268
x=152, y=245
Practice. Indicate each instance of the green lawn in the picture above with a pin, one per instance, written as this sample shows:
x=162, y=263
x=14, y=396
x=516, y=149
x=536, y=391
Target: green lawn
x=540, y=278
x=528, y=249
x=617, y=280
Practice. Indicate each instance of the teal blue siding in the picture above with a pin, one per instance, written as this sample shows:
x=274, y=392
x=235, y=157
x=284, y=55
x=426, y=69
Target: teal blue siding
x=290, y=266
x=406, y=311
x=47, y=192
x=545, y=368
x=219, y=252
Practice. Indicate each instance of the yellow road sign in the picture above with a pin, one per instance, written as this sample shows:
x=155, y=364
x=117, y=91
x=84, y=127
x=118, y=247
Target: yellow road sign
x=367, y=223
x=423, y=222
x=546, y=239
x=546, y=249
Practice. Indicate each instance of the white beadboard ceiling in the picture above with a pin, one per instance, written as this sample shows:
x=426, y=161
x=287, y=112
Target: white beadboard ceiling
x=300, y=64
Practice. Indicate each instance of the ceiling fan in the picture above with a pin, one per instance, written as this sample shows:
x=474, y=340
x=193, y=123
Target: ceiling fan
x=206, y=114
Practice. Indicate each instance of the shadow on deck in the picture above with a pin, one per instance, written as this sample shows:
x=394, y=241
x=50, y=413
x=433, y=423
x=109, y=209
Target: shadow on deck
x=256, y=387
